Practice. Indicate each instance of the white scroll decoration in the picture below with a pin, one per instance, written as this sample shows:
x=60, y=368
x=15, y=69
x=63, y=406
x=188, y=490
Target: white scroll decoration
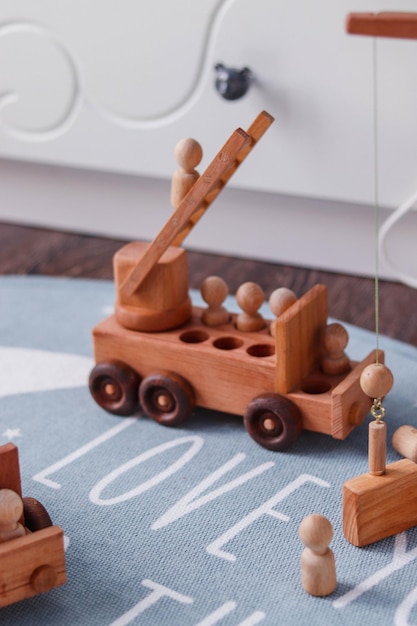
x=9, y=98
x=203, y=74
x=78, y=97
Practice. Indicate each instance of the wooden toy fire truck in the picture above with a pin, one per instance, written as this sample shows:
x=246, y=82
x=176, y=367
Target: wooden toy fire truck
x=160, y=353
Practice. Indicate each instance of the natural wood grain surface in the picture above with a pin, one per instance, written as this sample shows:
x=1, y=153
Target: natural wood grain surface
x=386, y=24
x=32, y=564
x=26, y=250
x=9, y=468
x=210, y=181
x=370, y=504
x=404, y=441
x=296, y=332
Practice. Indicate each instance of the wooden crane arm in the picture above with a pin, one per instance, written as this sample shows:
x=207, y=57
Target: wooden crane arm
x=255, y=131
x=387, y=24
x=198, y=199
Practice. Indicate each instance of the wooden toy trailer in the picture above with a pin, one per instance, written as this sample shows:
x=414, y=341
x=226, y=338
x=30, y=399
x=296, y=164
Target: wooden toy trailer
x=34, y=563
x=156, y=352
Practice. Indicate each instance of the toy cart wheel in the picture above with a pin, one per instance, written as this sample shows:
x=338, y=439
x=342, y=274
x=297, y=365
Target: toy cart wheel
x=35, y=514
x=167, y=398
x=114, y=386
x=273, y=421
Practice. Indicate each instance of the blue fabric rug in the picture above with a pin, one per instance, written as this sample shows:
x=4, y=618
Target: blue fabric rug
x=189, y=526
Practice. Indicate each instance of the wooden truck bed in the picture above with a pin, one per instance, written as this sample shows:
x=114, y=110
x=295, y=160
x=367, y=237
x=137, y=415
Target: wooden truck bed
x=333, y=405
x=31, y=565
x=34, y=563
x=227, y=368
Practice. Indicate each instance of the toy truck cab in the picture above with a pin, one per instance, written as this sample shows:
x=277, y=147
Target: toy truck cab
x=156, y=349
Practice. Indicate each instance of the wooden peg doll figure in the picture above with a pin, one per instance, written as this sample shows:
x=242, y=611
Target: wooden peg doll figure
x=279, y=301
x=250, y=297
x=214, y=291
x=11, y=510
x=188, y=154
x=318, y=570
x=334, y=340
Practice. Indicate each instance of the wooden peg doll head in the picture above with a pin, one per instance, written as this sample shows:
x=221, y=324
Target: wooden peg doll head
x=11, y=510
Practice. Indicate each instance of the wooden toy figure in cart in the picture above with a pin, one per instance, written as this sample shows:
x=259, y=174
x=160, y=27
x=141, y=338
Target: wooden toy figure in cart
x=32, y=558
x=160, y=353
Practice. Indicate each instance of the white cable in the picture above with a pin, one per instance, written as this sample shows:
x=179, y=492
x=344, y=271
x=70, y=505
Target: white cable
x=405, y=278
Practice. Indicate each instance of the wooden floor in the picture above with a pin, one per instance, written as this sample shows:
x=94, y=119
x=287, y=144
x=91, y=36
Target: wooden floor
x=26, y=250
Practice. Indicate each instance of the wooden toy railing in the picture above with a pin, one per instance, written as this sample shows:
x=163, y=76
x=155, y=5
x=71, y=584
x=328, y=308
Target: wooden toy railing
x=198, y=199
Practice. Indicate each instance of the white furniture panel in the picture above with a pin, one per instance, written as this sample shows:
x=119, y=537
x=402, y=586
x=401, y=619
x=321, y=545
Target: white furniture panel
x=113, y=86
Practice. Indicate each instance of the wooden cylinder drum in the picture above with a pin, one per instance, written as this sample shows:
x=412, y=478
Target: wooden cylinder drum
x=162, y=301
x=377, y=448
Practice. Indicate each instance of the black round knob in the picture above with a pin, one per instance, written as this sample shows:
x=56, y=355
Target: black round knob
x=232, y=83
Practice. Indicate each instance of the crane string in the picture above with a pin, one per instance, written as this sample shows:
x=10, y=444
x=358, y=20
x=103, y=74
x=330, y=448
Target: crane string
x=376, y=186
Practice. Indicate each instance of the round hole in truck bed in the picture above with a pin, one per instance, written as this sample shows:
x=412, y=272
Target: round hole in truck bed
x=227, y=343
x=194, y=336
x=261, y=350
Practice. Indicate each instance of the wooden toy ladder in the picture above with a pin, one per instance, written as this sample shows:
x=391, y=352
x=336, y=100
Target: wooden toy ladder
x=198, y=199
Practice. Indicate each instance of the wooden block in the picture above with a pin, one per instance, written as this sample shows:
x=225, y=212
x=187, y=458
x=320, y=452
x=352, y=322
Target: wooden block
x=32, y=564
x=297, y=337
x=9, y=468
x=376, y=507
x=385, y=24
